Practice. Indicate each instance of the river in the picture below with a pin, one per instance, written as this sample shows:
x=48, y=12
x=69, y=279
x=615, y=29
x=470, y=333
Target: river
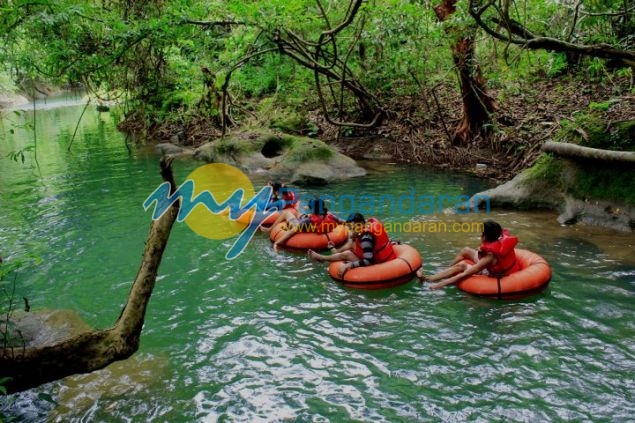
x=270, y=337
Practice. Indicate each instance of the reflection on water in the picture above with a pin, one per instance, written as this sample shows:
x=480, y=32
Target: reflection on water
x=270, y=337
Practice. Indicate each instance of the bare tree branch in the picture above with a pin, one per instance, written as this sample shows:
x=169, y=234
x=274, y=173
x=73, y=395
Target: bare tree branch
x=519, y=35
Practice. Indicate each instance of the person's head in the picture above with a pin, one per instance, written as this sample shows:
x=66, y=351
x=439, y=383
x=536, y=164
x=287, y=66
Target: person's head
x=316, y=205
x=491, y=231
x=356, y=223
x=275, y=187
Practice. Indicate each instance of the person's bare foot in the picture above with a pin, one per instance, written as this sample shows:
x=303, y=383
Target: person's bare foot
x=422, y=278
x=314, y=256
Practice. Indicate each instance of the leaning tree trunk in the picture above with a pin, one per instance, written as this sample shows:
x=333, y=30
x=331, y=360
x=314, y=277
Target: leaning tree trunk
x=90, y=351
x=477, y=104
x=579, y=152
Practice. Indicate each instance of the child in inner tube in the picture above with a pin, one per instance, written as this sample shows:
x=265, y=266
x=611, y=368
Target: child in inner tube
x=494, y=257
x=317, y=220
x=367, y=245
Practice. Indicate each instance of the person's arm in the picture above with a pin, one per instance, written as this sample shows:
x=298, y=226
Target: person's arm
x=367, y=242
x=348, y=245
x=483, y=262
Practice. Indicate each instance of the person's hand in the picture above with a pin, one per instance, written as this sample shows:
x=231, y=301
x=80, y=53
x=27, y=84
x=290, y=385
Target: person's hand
x=330, y=245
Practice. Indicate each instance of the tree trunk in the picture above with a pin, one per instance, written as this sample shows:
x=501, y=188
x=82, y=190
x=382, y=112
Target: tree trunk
x=90, y=351
x=576, y=151
x=477, y=104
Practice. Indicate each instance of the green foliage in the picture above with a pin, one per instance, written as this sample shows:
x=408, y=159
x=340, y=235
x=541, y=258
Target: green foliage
x=600, y=107
x=6, y=82
x=591, y=130
x=3, y=389
x=19, y=155
x=293, y=122
x=595, y=67
x=8, y=276
x=156, y=53
x=557, y=65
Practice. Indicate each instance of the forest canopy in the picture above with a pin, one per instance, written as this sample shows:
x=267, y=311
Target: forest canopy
x=178, y=60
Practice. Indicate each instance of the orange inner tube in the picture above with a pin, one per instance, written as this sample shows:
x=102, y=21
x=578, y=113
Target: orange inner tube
x=310, y=240
x=383, y=275
x=534, y=276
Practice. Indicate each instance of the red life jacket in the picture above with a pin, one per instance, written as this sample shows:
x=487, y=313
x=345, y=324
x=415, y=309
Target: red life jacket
x=383, y=250
x=323, y=224
x=503, y=251
x=289, y=199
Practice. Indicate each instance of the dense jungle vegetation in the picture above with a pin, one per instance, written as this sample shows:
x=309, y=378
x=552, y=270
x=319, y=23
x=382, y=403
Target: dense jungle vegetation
x=500, y=75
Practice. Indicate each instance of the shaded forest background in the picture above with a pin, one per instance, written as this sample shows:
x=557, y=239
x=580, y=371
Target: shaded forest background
x=449, y=83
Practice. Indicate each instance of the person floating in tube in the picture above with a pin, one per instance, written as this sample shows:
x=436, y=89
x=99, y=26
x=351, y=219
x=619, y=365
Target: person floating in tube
x=495, y=257
x=318, y=220
x=369, y=244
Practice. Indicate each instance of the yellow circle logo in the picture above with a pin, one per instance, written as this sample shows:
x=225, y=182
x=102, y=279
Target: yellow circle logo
x=221, y=180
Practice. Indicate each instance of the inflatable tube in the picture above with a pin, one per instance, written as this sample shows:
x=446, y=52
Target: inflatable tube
x=392, y=273
x=533, y=277
x=303, y=241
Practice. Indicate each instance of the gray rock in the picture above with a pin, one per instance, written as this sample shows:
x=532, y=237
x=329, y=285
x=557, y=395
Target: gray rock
x=44, y=327
x=297, y=160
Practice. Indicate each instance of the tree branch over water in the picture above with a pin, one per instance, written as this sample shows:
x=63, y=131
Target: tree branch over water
x=28, y=367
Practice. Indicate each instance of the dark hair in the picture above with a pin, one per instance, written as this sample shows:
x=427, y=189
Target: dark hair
x=275, y=186
x=317, y=206
x=356, y=218
x=491, y=230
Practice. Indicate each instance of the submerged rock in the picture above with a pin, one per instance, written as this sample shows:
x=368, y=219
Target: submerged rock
x=44, y=327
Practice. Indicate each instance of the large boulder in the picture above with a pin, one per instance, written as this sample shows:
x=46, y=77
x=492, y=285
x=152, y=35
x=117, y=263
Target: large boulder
x=297, y=160
x=581, y=193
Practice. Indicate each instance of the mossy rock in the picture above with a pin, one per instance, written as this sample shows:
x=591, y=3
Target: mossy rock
x=294, y=159
x=590, y=192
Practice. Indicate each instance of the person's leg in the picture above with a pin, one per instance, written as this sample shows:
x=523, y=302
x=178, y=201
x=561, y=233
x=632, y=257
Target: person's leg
x=466, y=253
x=347, y=255
x=294, y=226
x=285, y=216
x=449, y=272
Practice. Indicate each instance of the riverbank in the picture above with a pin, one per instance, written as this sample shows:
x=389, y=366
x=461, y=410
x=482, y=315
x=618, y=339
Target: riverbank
x=418, y=129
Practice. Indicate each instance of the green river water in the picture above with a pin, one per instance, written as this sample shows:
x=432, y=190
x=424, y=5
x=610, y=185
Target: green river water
x=269, y=337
